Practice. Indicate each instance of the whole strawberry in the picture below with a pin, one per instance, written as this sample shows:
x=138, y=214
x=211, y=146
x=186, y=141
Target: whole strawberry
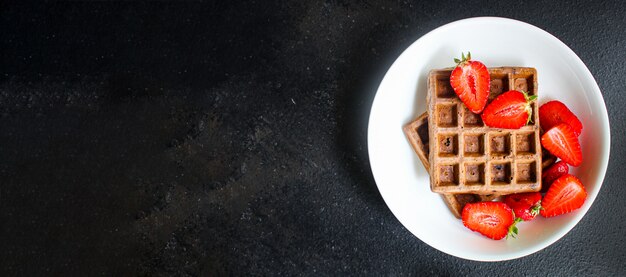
x=525, y=205
x=470, y=81
x=554, y=172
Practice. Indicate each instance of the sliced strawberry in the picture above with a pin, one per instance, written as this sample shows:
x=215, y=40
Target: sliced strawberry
x=525, y=205
x=554, y=113
x=562, y=142
x=492, y=219
x=554, y=172
x=509, y=110
x=566, y=194
x=470, y=81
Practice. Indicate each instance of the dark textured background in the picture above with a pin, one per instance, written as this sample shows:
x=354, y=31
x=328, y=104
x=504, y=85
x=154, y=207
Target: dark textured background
x=230, y=138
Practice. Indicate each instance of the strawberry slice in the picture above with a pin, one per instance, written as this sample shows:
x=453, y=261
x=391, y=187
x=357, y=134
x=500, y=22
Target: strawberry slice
x=554, y=172
x=525, y=205
x=492, y=219
x=566, y=194
x=470, y=81
x=554, y=113
x=562, y=142
x=509, y=110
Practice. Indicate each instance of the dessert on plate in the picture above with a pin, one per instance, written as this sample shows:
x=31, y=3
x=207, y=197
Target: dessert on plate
x=486, y=150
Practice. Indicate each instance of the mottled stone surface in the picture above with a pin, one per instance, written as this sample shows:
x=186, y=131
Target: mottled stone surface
x=225, y=138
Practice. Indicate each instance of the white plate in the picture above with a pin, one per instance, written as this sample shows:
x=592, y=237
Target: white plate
x=402, y=180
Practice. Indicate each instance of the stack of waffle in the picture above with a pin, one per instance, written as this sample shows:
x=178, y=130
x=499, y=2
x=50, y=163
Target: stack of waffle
x=468, y=161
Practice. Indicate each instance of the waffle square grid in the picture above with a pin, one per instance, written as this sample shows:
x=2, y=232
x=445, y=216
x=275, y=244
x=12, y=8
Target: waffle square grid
x=468, y=157
x=417, y=134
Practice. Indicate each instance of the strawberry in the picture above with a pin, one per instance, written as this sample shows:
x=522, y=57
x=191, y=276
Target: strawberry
x=492, y=219
x=554, y=112
x=470, y=81
x=562, y=142
x=525, y=205
x=509, y=110
x=554, y=172
x=566, y=194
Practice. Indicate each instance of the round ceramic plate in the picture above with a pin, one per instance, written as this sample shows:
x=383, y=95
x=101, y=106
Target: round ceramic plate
x=404, y=183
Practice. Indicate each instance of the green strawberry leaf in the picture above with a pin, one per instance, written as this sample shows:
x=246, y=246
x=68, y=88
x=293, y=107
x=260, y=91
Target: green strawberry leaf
x=536, y=208
x=513, y=231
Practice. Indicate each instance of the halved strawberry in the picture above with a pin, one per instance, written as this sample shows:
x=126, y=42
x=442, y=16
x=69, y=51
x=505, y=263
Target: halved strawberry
x=554, y=112
x=554, y=172
x=492, y=219
x=525, y=205
x=470, y=81
x=566, y=194
x=562, y=142
x=509, y=110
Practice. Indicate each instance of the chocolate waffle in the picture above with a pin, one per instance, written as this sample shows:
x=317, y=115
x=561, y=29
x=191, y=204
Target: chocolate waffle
x=417, y=134
x=467, y=157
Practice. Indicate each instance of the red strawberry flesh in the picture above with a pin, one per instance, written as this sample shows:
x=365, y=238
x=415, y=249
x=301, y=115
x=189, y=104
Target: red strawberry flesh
x=566, y=194
x=470, y=81
x=492, y=219
x=509, y=110
x=563, y=143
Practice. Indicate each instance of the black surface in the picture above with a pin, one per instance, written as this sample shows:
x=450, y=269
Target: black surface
x=230, y=138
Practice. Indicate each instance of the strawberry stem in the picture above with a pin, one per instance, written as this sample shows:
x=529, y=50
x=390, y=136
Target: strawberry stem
x=527, y=97
x=536, y=208
x=513, y=228
x=463, y=59
x=528, y=108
